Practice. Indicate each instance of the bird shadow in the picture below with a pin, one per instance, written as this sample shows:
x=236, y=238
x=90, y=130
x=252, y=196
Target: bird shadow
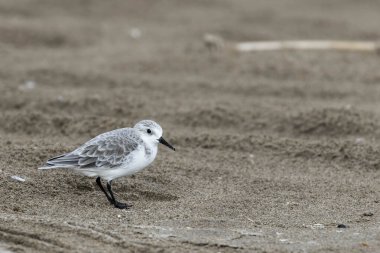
x=132, y=191
x=153, y=196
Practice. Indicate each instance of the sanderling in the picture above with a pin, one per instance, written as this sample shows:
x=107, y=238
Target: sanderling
x=114, y=154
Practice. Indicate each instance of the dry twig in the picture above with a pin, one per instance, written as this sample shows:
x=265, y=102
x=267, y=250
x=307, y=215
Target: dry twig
x=214, y=42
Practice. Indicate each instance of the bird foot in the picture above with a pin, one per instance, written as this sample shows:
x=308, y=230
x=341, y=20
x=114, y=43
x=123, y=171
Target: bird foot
x=122, y=205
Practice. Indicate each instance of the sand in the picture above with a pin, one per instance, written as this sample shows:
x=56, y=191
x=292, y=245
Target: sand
x=274, y=149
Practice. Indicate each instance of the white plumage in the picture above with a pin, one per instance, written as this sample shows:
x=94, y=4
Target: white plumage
x=114, y=154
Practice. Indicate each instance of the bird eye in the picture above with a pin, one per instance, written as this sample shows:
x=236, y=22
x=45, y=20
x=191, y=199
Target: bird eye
x=149, y=131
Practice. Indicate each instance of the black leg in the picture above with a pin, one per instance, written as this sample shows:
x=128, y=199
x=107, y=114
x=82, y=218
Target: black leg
x=103, y=190
x=115, y=202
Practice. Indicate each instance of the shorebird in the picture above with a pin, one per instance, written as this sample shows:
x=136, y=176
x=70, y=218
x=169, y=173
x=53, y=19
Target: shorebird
x=114, y=154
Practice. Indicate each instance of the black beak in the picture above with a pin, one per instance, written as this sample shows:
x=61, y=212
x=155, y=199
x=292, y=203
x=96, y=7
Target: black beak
x=162, y=141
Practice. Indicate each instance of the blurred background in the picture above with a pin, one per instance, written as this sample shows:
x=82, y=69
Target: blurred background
x=268, y=142
x=69, y=66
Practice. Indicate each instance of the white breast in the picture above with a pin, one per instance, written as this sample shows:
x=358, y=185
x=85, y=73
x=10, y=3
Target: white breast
x=138, y=162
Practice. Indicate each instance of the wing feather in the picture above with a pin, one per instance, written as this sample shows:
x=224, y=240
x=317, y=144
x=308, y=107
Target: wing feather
x=106, y=150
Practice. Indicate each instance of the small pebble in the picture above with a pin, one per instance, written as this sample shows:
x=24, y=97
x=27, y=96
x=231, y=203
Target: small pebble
x=135, y=33
x=359, y=140
x=317, y=226
x=342, y=226
x=368, y=214
x=28, y=85
x=18, y=178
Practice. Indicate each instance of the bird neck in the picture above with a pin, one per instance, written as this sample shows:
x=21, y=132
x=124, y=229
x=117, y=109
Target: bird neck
x=150, y=148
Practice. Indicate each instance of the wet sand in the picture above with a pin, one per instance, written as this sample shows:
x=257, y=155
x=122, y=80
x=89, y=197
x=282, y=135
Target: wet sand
x=274, y=149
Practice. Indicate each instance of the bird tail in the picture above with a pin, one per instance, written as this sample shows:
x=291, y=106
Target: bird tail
x=48, y=167
x=62, y=161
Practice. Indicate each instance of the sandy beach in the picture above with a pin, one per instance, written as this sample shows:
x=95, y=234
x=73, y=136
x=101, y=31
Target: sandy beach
x=277, y=151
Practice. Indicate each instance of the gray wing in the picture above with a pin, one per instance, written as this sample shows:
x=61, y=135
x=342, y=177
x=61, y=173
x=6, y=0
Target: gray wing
x=106, y=150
